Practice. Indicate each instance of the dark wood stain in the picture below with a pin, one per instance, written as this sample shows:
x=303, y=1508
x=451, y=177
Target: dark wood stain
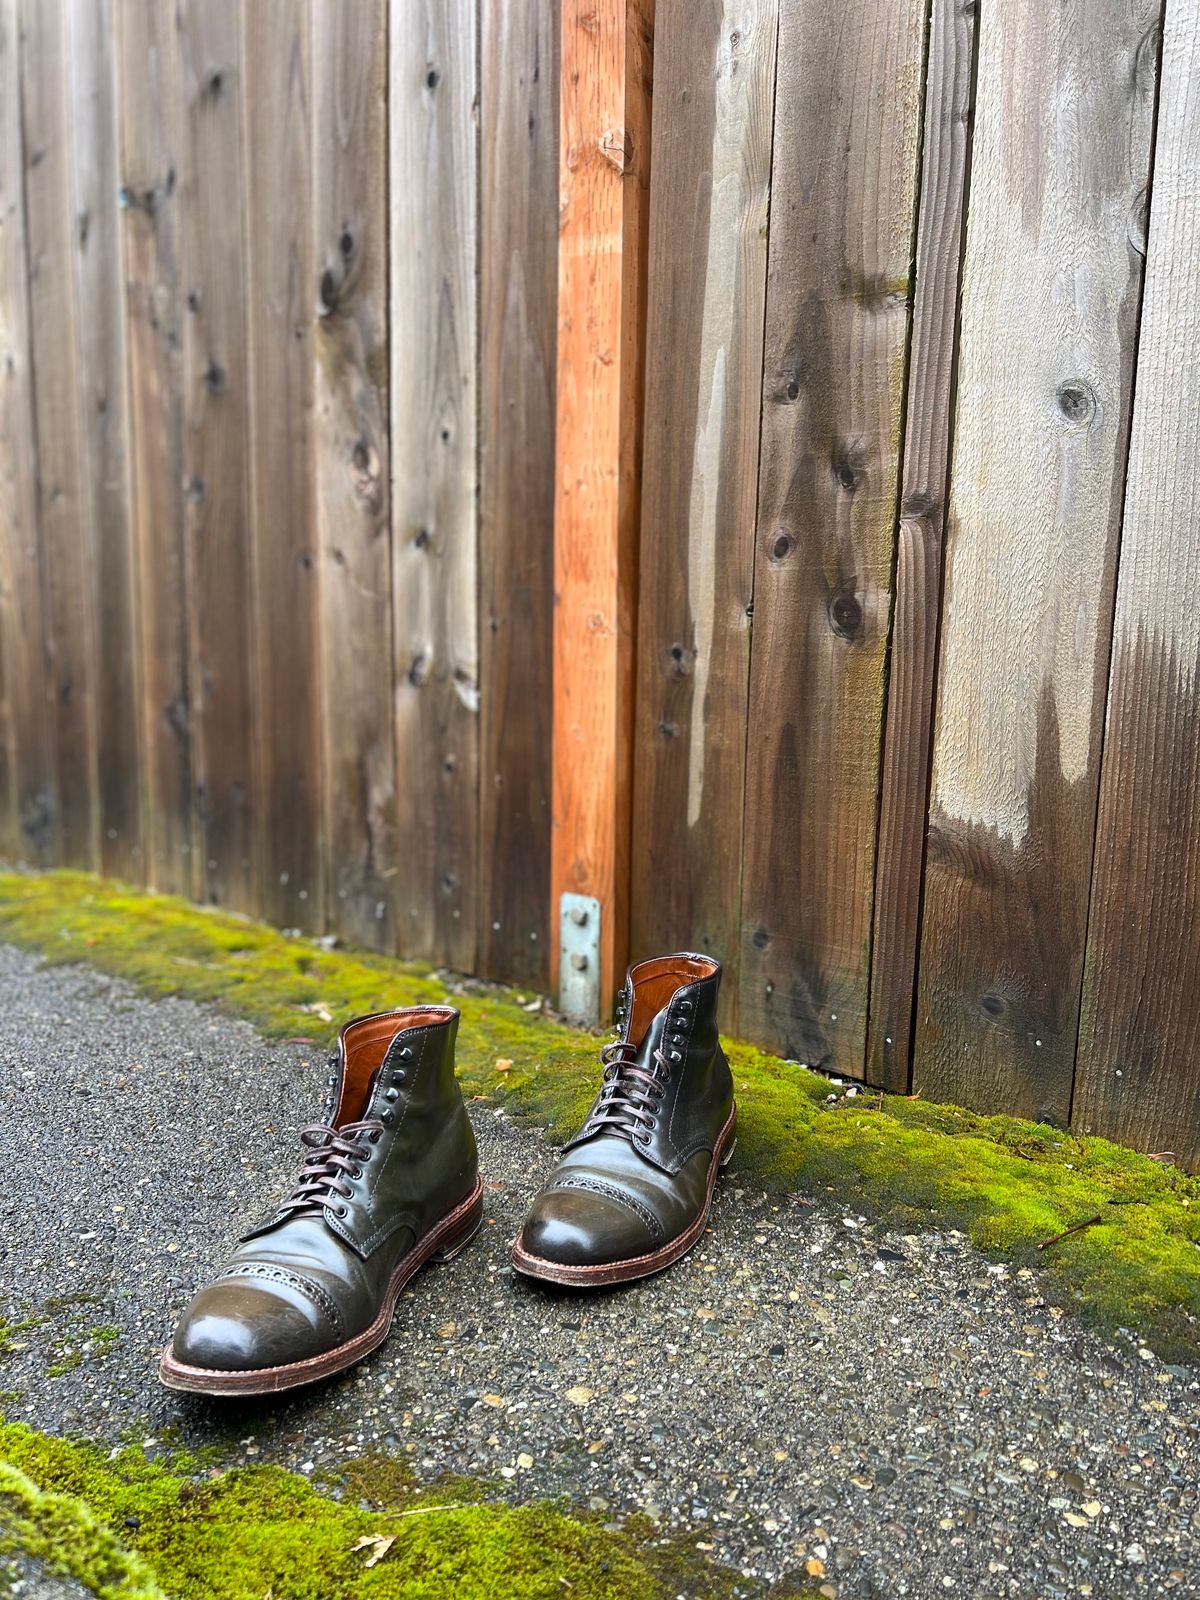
x=518, y=328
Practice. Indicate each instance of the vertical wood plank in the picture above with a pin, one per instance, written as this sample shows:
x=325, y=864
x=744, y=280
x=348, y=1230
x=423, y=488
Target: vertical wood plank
x=51, y=238
x=1139, y=1047
x=604, y=179
x=916, y=610
x=152, y=142
x=215, y=465
x=518, y=265
x=714, y=80
x=106, y=509
x=27, y=793
x=282, y=291
x=434, y=198
x=843, y=185
x=1050, y=296
x=352, y=464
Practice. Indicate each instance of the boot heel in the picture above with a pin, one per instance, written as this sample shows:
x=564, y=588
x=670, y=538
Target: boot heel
x=455, y=1243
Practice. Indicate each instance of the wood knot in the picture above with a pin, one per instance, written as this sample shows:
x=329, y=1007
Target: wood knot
x=846, y=613
x=1076, y=400
x=782, y=543
x=679, y=661
x=847, y=463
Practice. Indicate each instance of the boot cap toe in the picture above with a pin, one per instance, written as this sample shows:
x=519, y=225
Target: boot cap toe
x=579, y=1227
x=244, y=1326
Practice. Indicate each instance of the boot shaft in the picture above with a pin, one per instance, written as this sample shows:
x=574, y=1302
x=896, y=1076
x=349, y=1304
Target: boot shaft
x=668, y=1013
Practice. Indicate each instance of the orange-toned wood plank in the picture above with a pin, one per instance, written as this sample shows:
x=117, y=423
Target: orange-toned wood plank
x=604, y=173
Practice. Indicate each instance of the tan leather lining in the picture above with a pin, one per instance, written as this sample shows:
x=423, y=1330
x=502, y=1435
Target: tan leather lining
x=656, y=980
x=365, y=1044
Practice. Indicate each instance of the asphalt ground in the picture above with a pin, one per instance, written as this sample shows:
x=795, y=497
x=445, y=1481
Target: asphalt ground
x=806, y=1392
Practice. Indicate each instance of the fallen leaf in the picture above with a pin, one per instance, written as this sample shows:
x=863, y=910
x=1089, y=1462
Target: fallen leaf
x=814, y=1568
x=492, y=1399
x=595, y=1446
x=446, y=1330
x=705, y=1314
x=378, y=1544
x=503, y=1064
x=580, y=1394
x=525, y=1460
x=1075, y=1519
x=1091, y=1508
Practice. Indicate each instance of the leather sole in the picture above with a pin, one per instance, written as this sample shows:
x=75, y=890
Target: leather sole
x=606, y=1273
x=442, y=1243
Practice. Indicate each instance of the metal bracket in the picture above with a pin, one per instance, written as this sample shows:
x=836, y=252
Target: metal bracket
x=579, y=958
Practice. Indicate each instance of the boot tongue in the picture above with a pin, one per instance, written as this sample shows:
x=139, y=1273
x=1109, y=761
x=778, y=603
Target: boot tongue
x=652, y=1041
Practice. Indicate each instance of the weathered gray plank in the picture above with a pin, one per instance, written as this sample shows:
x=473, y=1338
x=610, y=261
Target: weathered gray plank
x=282, y=296
x=916, y=608
x=215, y=453
x=27, y=790
x=714, y=80
x=106, y=507
x=151, y=150
x=434, y=197
x=1051, y=289
x=352, y=465
x=518, y=266
x=843, y=188
x=1139, y=1047
x=54, y=332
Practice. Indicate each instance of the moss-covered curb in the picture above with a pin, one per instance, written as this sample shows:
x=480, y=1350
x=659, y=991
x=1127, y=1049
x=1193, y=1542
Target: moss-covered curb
x=132, y=1529
x=1008, y=1184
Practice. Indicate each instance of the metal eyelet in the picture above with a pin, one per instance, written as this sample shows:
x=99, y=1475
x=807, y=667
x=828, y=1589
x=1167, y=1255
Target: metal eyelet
x=406, y=1054
x=392, y=1094
x=387, y=1118
x=399, y=1077
x=341, y=1211
x=675, y=1056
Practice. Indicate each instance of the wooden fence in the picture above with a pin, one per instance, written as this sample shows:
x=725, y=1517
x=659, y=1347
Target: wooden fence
x=851, y=630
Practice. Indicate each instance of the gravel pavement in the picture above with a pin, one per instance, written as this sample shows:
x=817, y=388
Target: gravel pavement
x=806, y=1391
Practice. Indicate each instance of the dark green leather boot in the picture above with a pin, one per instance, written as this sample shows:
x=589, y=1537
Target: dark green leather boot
x=631, y=1194
x=390, y=1182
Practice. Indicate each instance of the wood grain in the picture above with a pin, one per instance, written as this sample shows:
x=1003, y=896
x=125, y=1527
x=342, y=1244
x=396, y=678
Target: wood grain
x=54, y=321
x=1139, y=1048
x=352, y=465
x=282, y=296
x=518, y=290
x=714, y=80
x=27, y=792
x=604, y=182
x=916, y=607
x=434, y=200
x=1051, y=289
x=843, y=188
x=152, y=136
x=350, y=221
x=216, y=469
x=106, y=503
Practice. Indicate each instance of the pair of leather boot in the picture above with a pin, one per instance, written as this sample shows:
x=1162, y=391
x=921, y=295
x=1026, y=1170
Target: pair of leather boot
x=391, y=1181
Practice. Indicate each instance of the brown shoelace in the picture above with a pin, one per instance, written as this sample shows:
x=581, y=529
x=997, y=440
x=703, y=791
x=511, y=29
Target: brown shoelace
x=335, y=1154
x=630, y=1096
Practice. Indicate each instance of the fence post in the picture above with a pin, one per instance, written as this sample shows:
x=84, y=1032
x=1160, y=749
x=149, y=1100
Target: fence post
x=604, y=173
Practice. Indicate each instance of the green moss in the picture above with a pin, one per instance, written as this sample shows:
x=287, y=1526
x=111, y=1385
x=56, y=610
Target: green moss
x=66, y=1362
x=1008, y=1184
x=129, y=1527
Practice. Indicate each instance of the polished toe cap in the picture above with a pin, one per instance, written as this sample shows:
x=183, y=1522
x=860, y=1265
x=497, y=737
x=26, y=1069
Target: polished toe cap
x=579, y=1228
x=243, y=1327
